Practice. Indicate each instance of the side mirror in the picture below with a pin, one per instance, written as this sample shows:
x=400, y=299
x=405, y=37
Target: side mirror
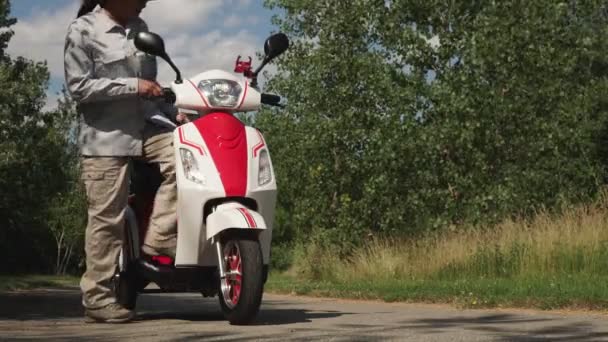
x=153, y=44
x=276, y=45
x=150, y=43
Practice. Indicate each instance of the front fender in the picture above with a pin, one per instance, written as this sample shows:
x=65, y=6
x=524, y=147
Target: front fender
x=233, y=216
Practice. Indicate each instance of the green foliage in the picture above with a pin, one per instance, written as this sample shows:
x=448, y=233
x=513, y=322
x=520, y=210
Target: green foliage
x=67, y=209
x=548, y=261
x=20, y=283
x=547, y=293
x=37, y=162
x=408, y=116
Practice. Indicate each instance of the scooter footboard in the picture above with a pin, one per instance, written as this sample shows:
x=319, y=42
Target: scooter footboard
x=233, y=216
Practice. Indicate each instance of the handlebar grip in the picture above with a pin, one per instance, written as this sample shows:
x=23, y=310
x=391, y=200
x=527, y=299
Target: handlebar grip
x=169, y=95
x=272, y=100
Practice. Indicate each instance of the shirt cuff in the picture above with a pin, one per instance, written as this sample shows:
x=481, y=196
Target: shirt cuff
x=132, y=86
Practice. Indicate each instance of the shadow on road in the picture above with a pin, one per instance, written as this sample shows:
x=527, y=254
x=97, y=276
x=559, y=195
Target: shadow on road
x=196, y=309
x=56, y=315
x=510, y=328
x=60, y=304
x=271, y=316
x=40, y=305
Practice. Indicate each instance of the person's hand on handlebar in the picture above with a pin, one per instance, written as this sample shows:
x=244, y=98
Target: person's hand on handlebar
x=149, y=89
x=182, y=118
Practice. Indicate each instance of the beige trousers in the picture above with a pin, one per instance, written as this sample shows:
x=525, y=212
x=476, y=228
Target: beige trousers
x=106, y=180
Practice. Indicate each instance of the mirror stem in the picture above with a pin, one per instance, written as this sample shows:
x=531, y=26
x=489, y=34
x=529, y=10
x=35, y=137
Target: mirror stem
x=254, y=79
x=178, y=77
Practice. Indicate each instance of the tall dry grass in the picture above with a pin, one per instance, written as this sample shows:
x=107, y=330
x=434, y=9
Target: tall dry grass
x=574, y=241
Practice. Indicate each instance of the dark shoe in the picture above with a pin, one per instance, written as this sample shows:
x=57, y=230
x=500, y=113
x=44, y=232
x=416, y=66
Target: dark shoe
x=112, y=313
x=155, y=251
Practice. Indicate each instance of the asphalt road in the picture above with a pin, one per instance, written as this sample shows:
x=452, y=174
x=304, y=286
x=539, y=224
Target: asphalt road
x=57, y=315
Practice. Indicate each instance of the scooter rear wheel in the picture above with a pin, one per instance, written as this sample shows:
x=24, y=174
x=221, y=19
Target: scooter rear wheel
x=241, y=291
x=126, y=282
x=126, y=289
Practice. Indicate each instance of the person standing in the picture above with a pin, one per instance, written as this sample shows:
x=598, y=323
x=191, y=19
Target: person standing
x=122, y=118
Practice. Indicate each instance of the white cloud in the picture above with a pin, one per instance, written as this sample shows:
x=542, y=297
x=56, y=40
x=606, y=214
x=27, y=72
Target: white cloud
x=235, y=20
x=214, y=50
x=179, y=15
x=167, y=17
x=192, y=51
x=42, y=36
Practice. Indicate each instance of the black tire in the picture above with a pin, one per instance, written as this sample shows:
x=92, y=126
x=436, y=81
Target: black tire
x=127, y=287
x=249, y=300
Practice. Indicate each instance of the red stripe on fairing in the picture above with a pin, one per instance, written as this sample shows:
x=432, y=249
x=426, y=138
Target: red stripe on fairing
x=244, y=95
x=200, y=93
x=183, y=140
x=244, y=217
x=259, y=145
x=248, y=217
x=226, y=142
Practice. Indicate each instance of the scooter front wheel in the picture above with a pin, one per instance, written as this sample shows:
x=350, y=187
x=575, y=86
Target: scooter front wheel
x=242, y=288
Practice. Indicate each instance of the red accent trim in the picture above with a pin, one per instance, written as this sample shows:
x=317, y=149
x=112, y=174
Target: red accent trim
x=245, y=95
x=245, y=217
x=248, y=217
x=259, y=145
x=200, y=93
x=183, y=140
x=162, y=260
x=226, y=141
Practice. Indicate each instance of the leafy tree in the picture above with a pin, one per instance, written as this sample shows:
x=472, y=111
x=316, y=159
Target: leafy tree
x=33, y=160
x=66, y=210
x=414, y=115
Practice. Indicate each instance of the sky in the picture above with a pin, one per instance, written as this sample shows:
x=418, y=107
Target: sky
x=199, y=34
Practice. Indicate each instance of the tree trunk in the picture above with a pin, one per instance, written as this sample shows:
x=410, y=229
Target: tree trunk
x=59, y=240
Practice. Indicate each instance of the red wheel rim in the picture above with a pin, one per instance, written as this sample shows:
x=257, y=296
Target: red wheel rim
x=234, y=274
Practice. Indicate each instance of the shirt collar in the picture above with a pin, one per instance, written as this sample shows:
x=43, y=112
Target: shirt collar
x=105, y=22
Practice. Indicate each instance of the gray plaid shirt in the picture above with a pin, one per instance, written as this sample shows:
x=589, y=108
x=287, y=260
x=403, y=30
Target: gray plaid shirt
x=102, y=67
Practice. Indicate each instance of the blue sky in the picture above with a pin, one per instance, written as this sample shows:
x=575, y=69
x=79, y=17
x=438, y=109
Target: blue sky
x=200, y=34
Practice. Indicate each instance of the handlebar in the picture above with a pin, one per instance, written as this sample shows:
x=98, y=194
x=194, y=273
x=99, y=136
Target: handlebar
x=267, y=99
x=169, y=96
x=271, y=100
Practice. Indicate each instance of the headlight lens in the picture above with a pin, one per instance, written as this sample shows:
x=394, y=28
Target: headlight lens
x=264, y=172
x=221, y=93
x=191, y=170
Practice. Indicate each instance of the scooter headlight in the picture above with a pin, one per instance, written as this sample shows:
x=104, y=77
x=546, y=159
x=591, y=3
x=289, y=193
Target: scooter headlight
x=221, y=93
x=191, y=170
x=264, y=172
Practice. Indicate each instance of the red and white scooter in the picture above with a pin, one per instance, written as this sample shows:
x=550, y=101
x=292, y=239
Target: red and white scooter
x=226, y=193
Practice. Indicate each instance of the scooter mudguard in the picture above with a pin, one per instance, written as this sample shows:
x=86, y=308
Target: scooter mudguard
x=233, y=216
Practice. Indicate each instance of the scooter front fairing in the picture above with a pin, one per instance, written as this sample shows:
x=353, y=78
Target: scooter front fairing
x=225, y=181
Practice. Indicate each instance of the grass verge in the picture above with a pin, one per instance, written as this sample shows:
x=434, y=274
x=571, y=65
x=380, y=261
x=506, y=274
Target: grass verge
x=28, y=282
x=565, y=292
x=550, y=261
